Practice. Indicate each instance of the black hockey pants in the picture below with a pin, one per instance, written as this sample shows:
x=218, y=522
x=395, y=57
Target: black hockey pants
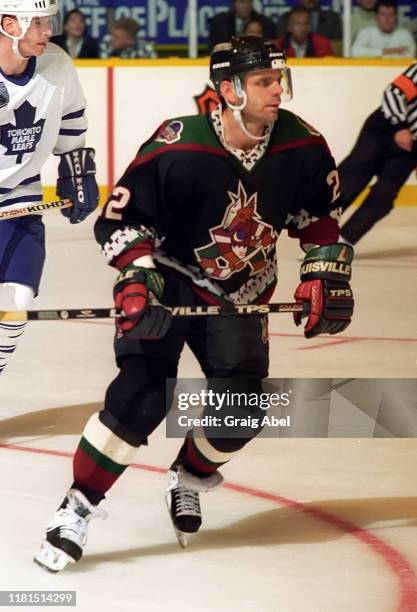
x=375, y=153
x=225, y=347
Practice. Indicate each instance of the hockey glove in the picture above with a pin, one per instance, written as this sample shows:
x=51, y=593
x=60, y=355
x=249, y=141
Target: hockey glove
x=134, y=288
x=325, y=290
x=77, y=182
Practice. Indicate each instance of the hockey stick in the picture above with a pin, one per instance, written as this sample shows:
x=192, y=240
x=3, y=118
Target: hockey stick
x=34, y=209
x=177, y=311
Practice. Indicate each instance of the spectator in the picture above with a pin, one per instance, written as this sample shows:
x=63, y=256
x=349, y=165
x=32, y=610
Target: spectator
x=229, y=23
x=385, y=39
x=124, y=41
x=254, y=27
x=299, y=41
x=326, y=23
x=363, y=16
x=74, y=40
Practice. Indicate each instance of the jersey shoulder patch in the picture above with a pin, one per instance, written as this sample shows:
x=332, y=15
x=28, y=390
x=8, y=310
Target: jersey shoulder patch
x=292, y=128
x=181, y=133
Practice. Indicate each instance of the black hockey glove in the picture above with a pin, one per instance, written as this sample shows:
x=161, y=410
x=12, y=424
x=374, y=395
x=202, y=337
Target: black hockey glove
x=132, y=292
x=77, y=181
x=324, y=288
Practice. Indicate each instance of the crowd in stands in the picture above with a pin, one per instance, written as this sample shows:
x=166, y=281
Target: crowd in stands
x=306, y=30
x=384, y=38
x=74, y=39
x=122, y=41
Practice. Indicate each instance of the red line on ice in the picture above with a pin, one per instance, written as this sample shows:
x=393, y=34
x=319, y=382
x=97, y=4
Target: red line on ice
x=398, y=564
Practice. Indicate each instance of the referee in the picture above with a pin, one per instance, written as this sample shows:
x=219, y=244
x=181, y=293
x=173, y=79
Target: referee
x=386, y=148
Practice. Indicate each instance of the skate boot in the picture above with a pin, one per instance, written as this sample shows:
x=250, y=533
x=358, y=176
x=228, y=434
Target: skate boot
x=66, y=534
x=182, y=498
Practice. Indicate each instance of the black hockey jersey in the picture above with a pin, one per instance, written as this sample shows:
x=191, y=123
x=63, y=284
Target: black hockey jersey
x=215, y=222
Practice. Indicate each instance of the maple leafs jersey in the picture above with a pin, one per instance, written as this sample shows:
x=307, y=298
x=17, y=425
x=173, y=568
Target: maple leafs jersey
x=41, y=111
x=214, y=220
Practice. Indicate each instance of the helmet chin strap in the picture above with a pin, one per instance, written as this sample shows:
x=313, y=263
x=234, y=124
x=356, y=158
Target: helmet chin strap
x=237, y=110
x=15, y=49
x=24, y=26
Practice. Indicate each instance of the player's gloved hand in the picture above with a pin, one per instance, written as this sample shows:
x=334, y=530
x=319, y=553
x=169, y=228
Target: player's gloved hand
x=134, y=288
x=325, y=290
x=77, y=181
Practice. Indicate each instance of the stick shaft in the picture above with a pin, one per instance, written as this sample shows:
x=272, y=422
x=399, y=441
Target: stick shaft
x=34, y=209
x=177, y=311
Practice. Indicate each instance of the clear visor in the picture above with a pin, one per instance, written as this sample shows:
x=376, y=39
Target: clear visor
x=48, y=23
x=286, y=84
x=40, y=24
x=284, y=79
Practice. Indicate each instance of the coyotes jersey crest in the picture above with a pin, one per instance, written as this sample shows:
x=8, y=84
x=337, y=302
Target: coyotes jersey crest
x=242, y=239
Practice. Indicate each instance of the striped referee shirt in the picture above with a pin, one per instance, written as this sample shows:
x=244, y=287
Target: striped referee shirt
x=399, y=102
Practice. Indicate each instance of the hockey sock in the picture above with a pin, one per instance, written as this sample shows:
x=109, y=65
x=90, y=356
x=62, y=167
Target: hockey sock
x=9, y=338
x=101, y=457
x=202, y=456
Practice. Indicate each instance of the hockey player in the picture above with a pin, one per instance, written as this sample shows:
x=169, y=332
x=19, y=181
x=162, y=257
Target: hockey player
x=42, y=111
x=193, y=220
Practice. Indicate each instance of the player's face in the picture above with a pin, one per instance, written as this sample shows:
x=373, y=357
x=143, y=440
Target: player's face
x=36, y=37
x=263, y=90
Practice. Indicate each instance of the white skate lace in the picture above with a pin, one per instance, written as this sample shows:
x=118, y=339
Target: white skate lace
x=71, y=525
x=186, y=502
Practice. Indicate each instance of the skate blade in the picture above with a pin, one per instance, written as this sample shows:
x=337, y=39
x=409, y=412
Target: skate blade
x=52, y=559
x=183, y=537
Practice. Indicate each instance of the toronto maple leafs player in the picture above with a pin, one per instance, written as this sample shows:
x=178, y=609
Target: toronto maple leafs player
x=195, y=219
x=42, y=111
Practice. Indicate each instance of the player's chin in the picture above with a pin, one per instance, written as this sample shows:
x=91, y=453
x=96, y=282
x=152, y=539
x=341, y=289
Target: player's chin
x=39, y=48
x=271, y=112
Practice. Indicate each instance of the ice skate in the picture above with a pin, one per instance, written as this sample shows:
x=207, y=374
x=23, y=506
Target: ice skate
x=66, y=534
x=182, y=498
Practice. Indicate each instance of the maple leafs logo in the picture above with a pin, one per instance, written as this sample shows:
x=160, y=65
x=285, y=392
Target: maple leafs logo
x=22, y=137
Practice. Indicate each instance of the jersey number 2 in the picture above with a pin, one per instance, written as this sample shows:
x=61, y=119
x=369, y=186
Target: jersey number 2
x=120, y=198
x=333, y=181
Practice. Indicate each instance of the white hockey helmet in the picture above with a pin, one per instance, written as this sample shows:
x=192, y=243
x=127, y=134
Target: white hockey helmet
x=26, y=10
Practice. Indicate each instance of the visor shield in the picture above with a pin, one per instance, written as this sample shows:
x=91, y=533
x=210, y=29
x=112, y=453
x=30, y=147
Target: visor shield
x=52, y=23
x=286, y=84
x=39, y=24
